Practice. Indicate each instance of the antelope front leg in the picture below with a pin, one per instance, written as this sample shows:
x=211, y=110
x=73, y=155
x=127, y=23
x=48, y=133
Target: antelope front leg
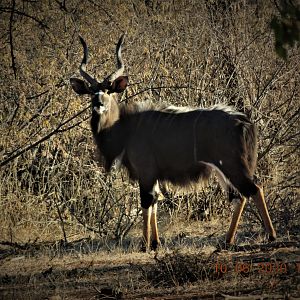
x=147, y=214
x=155, y=238
x=149, y=198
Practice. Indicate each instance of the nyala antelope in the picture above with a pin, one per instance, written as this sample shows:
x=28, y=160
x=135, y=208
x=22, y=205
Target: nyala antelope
x=181, y=146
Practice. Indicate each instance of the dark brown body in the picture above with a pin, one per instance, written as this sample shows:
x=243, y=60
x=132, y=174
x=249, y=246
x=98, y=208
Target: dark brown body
x=175, y=147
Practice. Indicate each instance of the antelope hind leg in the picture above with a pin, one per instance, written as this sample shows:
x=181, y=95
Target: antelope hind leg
x=260, y=203
x=237, y=213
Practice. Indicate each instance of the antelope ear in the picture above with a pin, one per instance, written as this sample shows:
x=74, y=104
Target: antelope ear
x=79, y=86
x=119, y=84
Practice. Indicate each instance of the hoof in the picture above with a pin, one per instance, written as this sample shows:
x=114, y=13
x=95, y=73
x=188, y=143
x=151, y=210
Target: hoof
x=272, y=237
x=154, y=245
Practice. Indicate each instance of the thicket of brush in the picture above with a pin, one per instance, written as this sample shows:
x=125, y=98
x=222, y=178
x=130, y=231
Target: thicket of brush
x=195, y=53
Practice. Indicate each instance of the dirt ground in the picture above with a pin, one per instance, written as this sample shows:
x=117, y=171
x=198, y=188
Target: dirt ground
x=185, y=267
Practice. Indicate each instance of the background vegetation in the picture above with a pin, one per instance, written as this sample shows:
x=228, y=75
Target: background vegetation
x=196, y=53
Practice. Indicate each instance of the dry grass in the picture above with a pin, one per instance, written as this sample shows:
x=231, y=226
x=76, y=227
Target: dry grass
x=196, y=53
x=184, y=273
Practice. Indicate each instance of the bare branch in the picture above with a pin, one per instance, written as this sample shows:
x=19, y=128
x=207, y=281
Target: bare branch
x=11, y=20
x=43, y=139
x=21, y=13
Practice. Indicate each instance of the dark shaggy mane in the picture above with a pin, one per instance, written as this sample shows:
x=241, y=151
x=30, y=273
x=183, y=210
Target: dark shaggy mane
x=132, y=108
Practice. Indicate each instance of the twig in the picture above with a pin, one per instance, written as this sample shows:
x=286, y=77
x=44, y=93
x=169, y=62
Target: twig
x=43, y=139
x=13, y=61
x=61, y=219
x=110, y=16
x=72, y=126
x=269, y=83
x=21, y=13
x=62, y=5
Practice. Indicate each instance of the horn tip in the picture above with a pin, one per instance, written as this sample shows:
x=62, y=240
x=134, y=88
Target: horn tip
x=122, y=37
x=82, y=41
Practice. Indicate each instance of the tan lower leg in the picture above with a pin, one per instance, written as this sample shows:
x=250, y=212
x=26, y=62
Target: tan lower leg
x=147, y=213
x=155, y=237
x=238, y=210
x=260, y=203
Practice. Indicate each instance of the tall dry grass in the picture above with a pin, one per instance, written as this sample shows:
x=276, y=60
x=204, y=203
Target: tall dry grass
x=196, y=53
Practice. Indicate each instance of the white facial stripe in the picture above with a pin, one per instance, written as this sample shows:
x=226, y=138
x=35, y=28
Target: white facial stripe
x=100, y=110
